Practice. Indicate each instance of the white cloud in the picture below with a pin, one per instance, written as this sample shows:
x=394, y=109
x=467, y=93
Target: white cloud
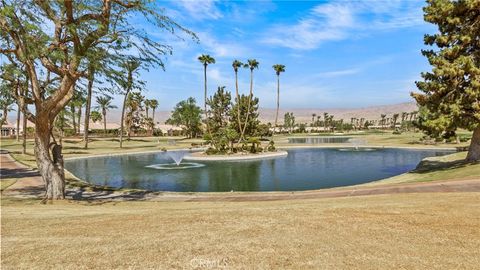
x=338, y=73
x=340, y=20
x=219, y=48
x=200, y=9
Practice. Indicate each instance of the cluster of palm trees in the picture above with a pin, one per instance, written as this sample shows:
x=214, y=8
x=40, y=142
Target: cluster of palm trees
x=391, y=122
x=404, y=118
x=104, y=104
x=251, y=64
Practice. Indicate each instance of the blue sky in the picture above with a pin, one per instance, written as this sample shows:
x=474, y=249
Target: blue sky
x=337, y=53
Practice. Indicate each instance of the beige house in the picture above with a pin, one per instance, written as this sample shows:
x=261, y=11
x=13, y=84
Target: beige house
x=8, y=130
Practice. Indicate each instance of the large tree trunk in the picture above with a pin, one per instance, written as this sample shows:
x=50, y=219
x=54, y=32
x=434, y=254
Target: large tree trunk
x=49, y=166
x=87, y=109
x=474, y=149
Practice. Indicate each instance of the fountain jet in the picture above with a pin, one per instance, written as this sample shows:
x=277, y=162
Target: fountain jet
x=177, y=156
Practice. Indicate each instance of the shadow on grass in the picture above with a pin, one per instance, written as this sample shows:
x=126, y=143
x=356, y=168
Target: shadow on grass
x=17, y=173
x=428, y=166
x=101, y=195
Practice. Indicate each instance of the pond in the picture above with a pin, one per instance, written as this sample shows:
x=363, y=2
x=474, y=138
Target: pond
x=318, y=140
x=302, y=169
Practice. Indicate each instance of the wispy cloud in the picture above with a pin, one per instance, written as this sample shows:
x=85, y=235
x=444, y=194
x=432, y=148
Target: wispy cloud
x=338, y=73
x=204, y=9
x=221, y=48
x=335, y=21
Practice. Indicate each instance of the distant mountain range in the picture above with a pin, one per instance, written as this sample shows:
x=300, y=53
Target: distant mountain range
x=301, y=115
x=369, y=113
x=305, y=115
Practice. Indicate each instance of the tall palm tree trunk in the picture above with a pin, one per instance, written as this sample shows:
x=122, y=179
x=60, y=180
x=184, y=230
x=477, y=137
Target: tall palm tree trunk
x=123, y=117
x=87, y=108
x=153, y=117
x=248, y=106
x=205, y=98
x=104, y=122
x=238, y=105
x=278, y=103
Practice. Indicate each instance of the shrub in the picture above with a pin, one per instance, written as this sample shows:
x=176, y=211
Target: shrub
x=271, y=146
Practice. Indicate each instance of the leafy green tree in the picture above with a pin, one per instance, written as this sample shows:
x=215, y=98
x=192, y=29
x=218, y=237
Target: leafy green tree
x=224, y=139
x=187, y=114
x=104, y=103
x=56, y=60
x=219, y=109
x=14, y=84
x=252, y=125
x=251, y=64
x=6, y=101
x=206, y=60
x=451, y=91
x=278, y=69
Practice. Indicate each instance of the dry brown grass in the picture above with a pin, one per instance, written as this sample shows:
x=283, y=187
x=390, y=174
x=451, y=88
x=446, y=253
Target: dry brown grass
x=409, y=231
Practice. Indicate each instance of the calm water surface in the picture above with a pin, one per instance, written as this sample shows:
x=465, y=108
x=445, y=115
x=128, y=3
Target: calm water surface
x=302, y=169
x=317, y=140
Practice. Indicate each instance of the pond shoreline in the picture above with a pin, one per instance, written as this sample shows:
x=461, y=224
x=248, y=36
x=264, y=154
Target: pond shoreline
x=201, y=156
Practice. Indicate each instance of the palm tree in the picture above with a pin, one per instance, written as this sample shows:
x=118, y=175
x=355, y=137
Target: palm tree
x=147, y=106
x=154, y=106
x=252, y=64
x=313, y=119
x=394, y=120
x=130, y=66
x=382, y=116
x=236, y=65
x=206, y=59
x=325, y=119
x=104, y=103
x=278, y=69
